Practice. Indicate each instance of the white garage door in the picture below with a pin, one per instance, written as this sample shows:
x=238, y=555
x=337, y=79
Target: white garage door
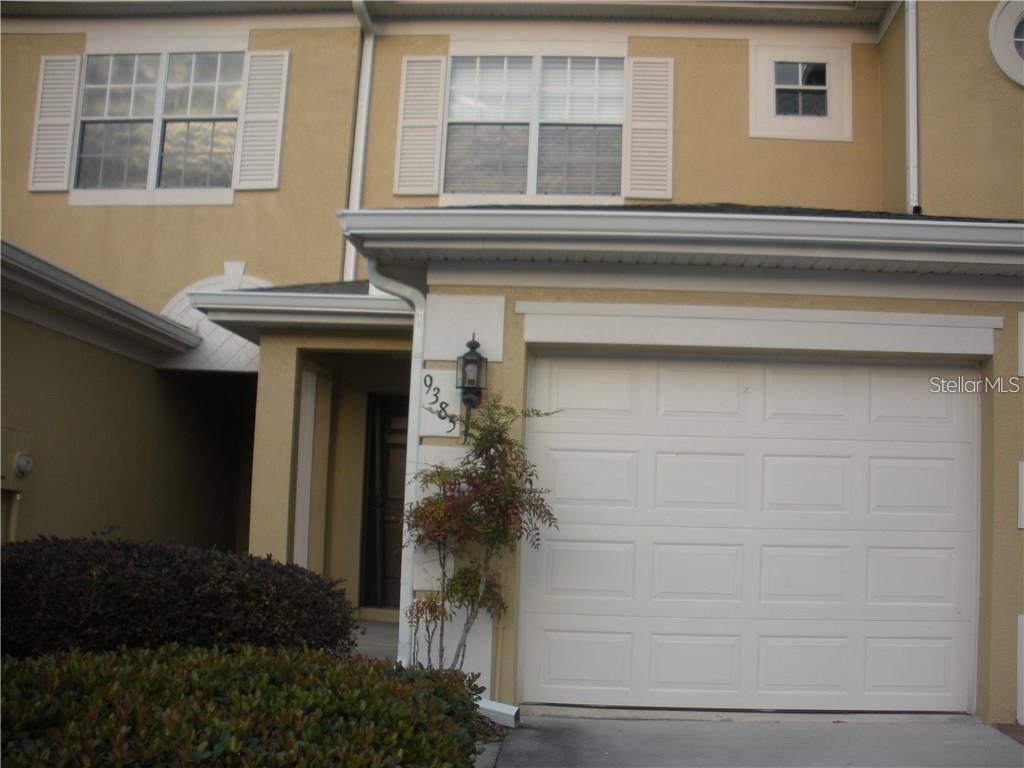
x=764, y=535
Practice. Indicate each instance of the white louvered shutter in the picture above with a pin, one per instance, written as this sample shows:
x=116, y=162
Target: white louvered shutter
x=647, y=149
x=418, y=154
x=50, y=162
x=261, y=121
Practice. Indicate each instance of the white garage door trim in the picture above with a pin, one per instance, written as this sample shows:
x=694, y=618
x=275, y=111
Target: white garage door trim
x=757, y=328
x=752, y=653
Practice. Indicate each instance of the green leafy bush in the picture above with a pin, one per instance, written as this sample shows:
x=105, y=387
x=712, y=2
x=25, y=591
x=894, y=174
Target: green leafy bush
x=99, y=594
x=248, y=707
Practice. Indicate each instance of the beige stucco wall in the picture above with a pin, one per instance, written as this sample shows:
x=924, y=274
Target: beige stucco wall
x=147, y=254
x=972, y=117
x=1002, y=446
x=120, y=448
x=892, y=82
x=716, y=161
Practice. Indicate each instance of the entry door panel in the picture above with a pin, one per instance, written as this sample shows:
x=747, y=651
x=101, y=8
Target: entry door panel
x=751, y=535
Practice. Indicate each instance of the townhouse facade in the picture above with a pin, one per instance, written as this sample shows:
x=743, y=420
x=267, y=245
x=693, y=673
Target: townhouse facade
x=755, y=257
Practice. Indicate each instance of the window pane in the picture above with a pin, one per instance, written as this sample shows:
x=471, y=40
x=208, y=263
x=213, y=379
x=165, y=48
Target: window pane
x=112, y=172
x=179, y=69
x=176, y=100
x=145, y=100
x=200, y=135
x=88, y=173
x=787, y=73
x=195, y=170
x=610, y=89
x=175, y=135
x=123, y=70
x=582, y=89
x=486, y=159
x=813, y=74
x=813, y=103
x=518, y=88
x=462, y=94
x=205, y=68
x=95, y=102
x=220, y=170
x=146, y=69
x=120, y=102
x=490, y=88
x=138, y=168
x=224, y=137
x=116, y=142
x=202, y=100
x=97, y=70
x=579, y=160
x=171, y=167
x=787, y=102
x=231, y=67
x=554, y=85
x=92, y=138
x=227, y=99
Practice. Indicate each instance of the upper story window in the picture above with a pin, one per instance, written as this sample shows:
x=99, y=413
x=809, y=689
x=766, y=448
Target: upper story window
x=159, y=128
x=190, y=114
x=801, y=88
x=801, y=92
x=548, y=125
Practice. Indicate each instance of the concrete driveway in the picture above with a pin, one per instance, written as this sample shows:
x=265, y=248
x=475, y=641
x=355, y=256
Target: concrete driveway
x=562, y=737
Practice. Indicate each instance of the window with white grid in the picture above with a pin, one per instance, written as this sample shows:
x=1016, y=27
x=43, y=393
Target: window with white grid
x=538, y=125
x=158, y=120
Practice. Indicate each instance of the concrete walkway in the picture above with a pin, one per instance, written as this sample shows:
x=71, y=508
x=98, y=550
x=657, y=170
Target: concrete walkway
x=378, y=639
x=758, y=740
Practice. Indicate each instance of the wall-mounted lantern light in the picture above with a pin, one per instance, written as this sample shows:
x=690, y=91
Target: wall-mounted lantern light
x=471, y=376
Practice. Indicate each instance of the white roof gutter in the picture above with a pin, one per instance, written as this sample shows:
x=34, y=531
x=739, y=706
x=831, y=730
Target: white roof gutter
x=678, y=237
x=910, y=95
x=358, y=169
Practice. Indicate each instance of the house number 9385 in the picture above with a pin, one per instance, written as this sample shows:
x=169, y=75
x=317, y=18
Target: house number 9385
x=436, y=405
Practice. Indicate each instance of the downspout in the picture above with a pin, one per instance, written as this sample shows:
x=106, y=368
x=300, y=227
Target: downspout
x=415, y=299
x=355, y=188
x=913, y=173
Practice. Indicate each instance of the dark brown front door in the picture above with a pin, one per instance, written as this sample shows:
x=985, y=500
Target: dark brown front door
x=384, y=501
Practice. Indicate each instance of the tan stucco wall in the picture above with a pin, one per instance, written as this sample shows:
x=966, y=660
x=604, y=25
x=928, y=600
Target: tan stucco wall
x=716, y=161
x=1002, y=445
x=972, y=117
x=892, y=81
x=148, y=254
x=120, y=448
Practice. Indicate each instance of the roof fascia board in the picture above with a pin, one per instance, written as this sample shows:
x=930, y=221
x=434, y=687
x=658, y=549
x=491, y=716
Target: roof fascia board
x=35, y=281
x=389, y=232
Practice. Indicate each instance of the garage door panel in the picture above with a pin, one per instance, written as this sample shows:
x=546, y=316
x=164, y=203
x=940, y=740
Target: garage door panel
x=734, y=534
x=735, y=573
x=770, y=483
x=726, y=398
x=712, y=663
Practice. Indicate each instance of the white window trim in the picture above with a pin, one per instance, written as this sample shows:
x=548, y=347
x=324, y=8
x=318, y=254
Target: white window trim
x=1000, y=39
x=152, y=195
x=135, y=197
x=536, y=53
x=764, y=123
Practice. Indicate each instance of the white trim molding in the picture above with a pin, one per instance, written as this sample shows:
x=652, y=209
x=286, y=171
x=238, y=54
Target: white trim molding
x=747, y=328
x=836, y=125
x=1020, y=669
x=248, y=313
x=42, y=293
x=862, y=244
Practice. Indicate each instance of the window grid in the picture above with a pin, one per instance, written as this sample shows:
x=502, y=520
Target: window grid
x=604, y=114
x=801, y=89
x=105, y=159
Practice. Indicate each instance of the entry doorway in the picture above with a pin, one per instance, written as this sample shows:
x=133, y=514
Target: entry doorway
x=383, y=502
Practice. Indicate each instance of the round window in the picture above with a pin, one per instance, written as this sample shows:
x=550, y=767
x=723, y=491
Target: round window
x=1006, y=38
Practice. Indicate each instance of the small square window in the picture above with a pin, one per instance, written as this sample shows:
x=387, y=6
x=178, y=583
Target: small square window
x=801, y=89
